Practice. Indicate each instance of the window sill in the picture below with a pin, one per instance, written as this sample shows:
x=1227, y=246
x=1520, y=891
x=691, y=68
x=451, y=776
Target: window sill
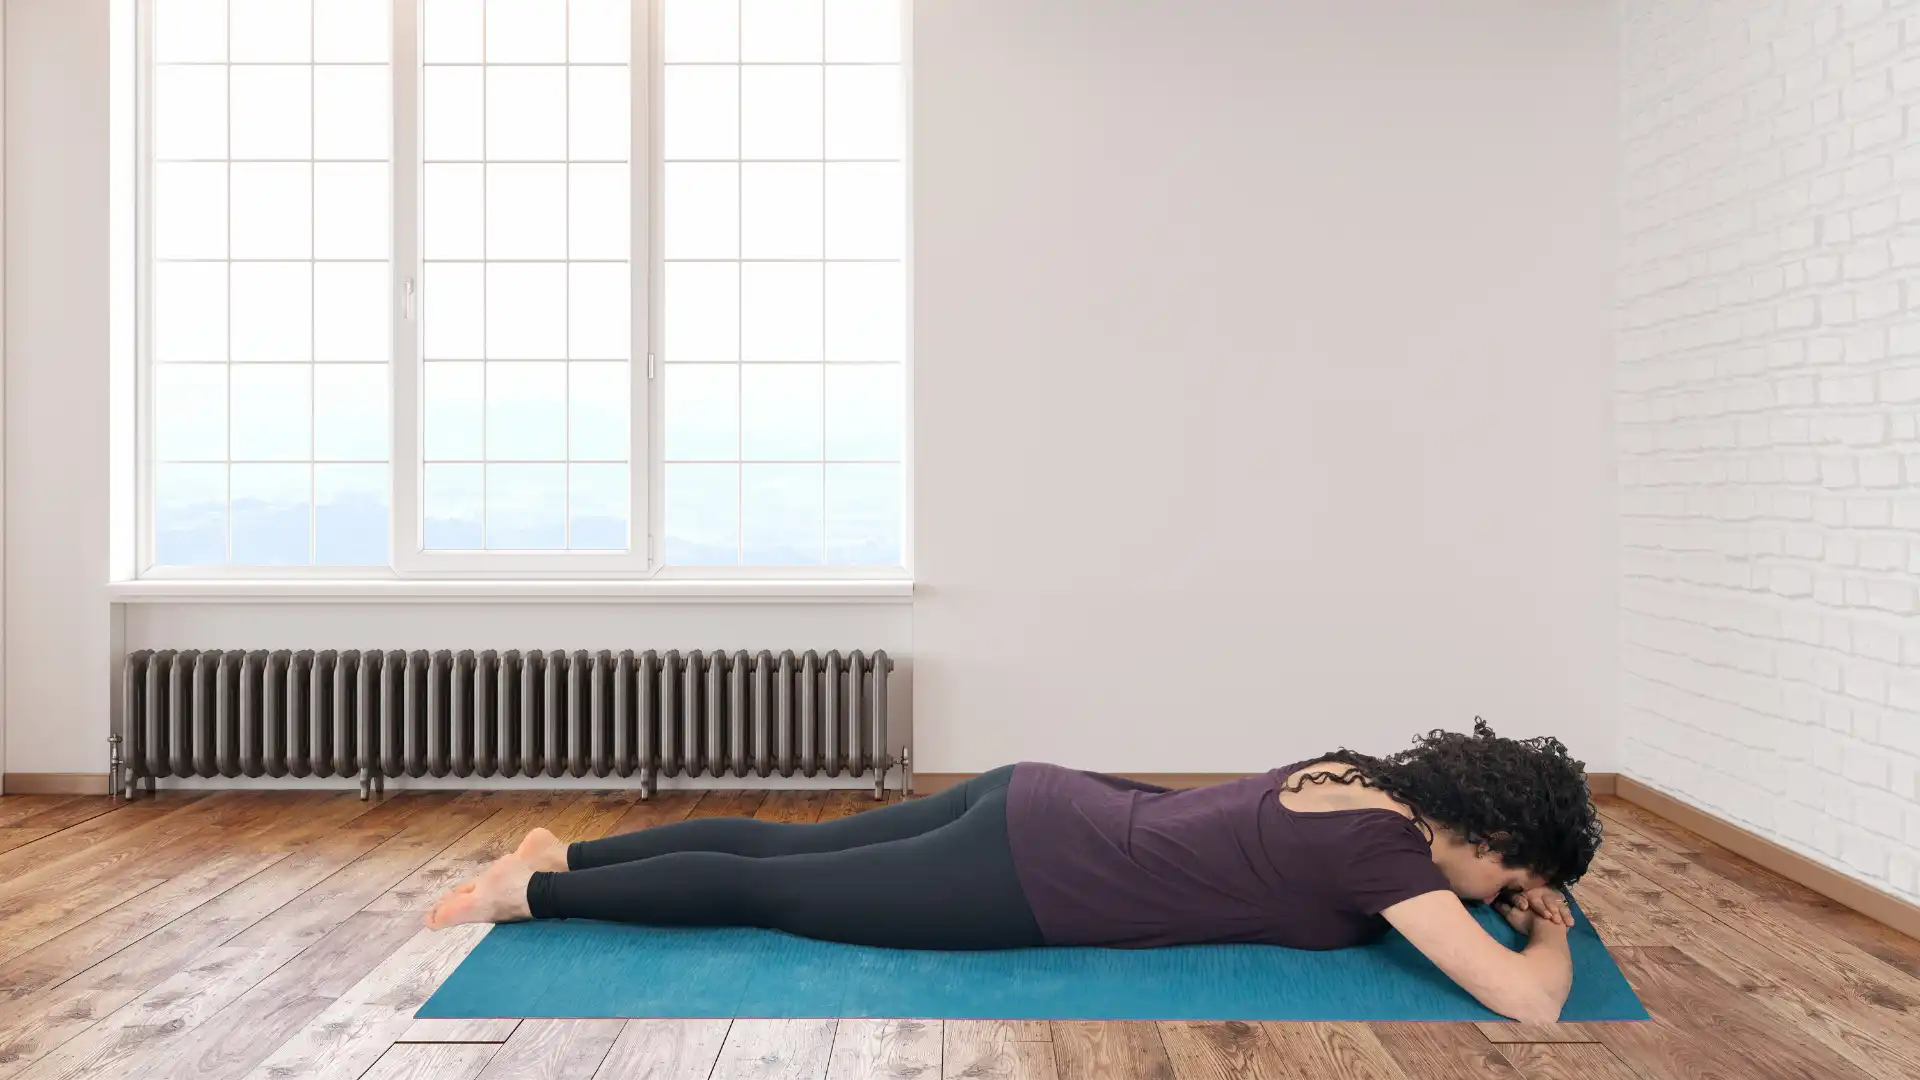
x=379, y=590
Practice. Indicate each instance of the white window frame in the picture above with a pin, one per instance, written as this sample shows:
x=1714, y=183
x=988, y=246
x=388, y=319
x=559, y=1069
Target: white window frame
x=407, y=555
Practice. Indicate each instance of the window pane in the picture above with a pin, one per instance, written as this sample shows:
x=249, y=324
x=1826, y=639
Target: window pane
x=702, y=311
x=526, y=507
x=190, y=515
x=451, y=506
x=703, y=412
x=455, y=209
x=526, y=211
x=863, y=515
x=351, y=31
x=189, y=312
x=780, y=212
x=526, y=113
x=350, y=515
x=599, y=311
x=597, y=507
x=453, y=32
x=780, y=412
x=598, y=221
x=272, y=312
x=866, y=312
x=351, y=113
x=703, y=514
x=190, y=412
x=272, y=508
x=780, y=111
x=272, y=211
x=455, y=123
x=702, y=211
x=598, y=31
x=527, y=311
x=782, y=309
x=190, y=31
x=864, y=407
x=270, y=31
x=702, y=113
x=272, y=412
x=863, y=113
x=351, y=312
x=597, y=397
x=526, y=31
x=350, y=212
x=189, y=112
x=453, y=305
x=780, y=514
x=780, y=30
x=189, y=211
x=599, y=127
x=272, y=107
x=526, y=412
x=702, y=31
x=350, y=412
x=863, y=30
x=455, y=397
x=866, y=211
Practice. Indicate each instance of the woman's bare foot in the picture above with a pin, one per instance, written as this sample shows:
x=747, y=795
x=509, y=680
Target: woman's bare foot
x=498, y=895
x=543, y=851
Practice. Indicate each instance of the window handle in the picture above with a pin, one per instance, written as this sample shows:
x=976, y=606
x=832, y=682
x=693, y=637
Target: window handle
x=406, y=302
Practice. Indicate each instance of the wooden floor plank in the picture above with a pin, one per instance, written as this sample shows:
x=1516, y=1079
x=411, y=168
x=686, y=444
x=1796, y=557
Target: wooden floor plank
x=19, y=836
x=591, y=817
x=1537, y=1033
x=350, y=1034
x=1443, y=1052
x=515, y=814
x=1565, y=1061
x=493, y=1031
x=425, y=1061
x=845, y=802
x=665, y=1050
x=1223, y=1050
x=64, y=852
x=17, y=808
x=1112, y=1050
x=886, y=1050
x=664, y=808
x=1321, y=1051
x=1703, y=1027
x=554, y=1050
x=735, y=802
x=69, y=813
x=794, y=807
x=775, y=1050
x=997, y=1050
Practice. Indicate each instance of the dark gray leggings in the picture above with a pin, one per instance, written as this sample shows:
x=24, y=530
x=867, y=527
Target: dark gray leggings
x=932, y=873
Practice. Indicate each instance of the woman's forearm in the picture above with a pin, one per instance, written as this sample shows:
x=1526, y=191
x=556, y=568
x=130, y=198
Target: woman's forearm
x=1549, y=966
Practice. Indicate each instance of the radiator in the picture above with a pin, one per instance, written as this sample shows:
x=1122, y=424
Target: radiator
x=374, y=714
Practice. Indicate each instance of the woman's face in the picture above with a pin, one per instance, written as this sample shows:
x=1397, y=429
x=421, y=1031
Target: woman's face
x=1476, y=874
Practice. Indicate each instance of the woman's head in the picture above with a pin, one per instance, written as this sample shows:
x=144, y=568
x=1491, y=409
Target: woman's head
x=1510, y=814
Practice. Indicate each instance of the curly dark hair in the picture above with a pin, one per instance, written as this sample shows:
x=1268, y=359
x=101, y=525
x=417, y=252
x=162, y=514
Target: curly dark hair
x=1524, y=799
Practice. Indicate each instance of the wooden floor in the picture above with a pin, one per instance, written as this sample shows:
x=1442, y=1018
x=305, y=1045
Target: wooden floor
x=278, y=935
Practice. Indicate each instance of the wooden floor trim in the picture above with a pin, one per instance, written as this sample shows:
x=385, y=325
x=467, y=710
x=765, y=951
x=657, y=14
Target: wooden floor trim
x=1828, y=882
x=54, y=783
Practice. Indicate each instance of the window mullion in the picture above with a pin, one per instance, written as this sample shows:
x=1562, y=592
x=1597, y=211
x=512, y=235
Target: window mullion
x=405, y=446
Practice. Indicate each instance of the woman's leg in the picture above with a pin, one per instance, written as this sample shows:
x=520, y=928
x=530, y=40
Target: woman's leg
x=953, y=887
x=762, y=839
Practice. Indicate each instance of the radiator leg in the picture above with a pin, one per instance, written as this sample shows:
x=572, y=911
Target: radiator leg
x=366, y=783
x=114, y=779
x=906, y=772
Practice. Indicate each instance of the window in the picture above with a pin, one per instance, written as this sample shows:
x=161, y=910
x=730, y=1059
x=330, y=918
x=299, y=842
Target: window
x=523, y=286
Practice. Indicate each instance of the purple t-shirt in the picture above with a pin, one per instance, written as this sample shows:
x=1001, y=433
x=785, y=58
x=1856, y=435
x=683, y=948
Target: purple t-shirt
x=1109, y=861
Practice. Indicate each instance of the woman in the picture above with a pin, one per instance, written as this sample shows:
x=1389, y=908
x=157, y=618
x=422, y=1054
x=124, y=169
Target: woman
x=1321, y=854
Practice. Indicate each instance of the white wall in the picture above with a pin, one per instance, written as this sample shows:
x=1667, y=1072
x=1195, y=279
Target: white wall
x=1769, y=370
x=1263, y=377
x=1263, y=387
x=57, y=643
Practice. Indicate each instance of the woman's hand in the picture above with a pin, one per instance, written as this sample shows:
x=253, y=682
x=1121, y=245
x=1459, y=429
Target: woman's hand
x=1522, y=910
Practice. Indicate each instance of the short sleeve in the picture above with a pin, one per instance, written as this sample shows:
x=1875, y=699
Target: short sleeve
x=1386, y=860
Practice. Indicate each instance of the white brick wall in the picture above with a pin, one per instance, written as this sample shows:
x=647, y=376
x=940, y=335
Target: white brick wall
x=1768, y=388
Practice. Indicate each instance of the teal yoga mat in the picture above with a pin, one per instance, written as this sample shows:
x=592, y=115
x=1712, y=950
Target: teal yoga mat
x=571, y=968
